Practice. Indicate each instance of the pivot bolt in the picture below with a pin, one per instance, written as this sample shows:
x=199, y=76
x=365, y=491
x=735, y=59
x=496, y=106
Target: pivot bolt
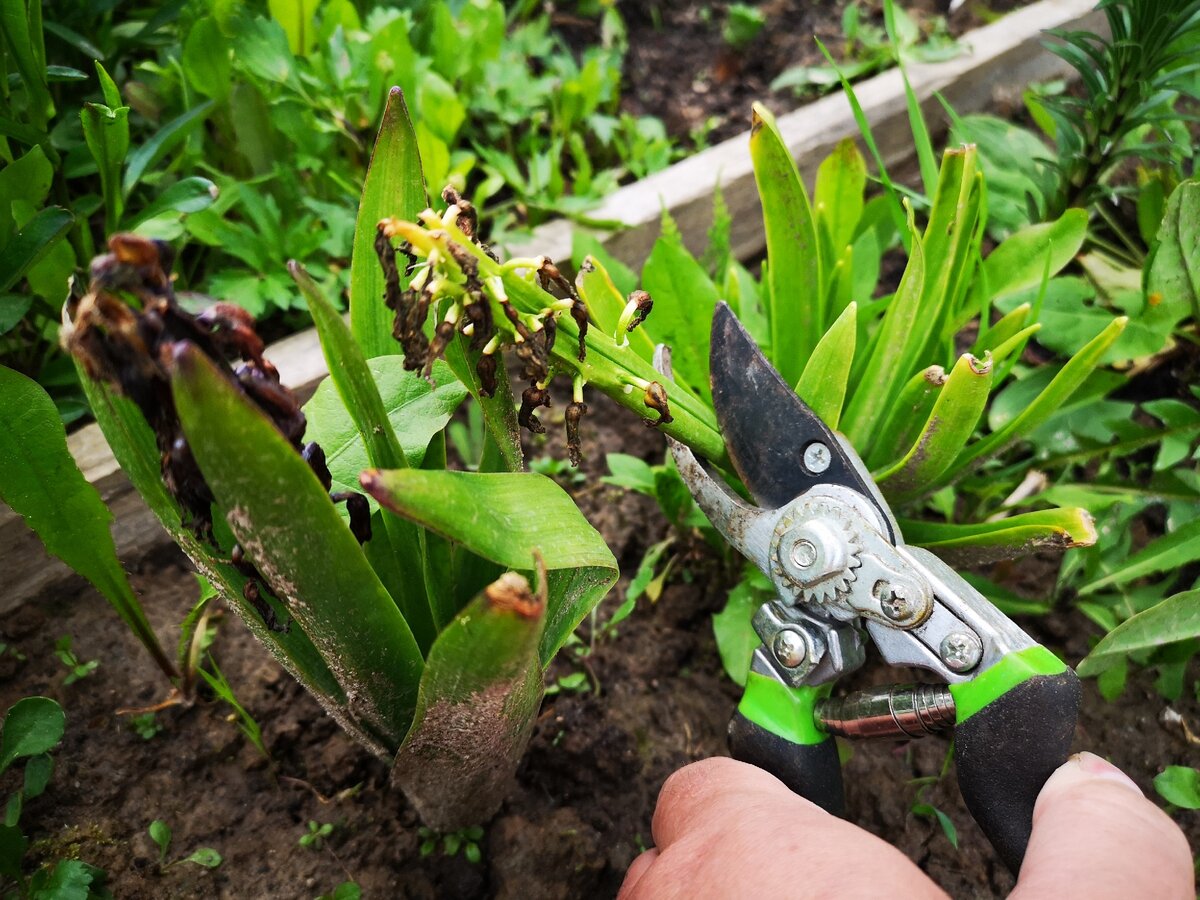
x=817, y=457
x=893, y=600
x=789, y=648
x=961, y=651
x=804, y=553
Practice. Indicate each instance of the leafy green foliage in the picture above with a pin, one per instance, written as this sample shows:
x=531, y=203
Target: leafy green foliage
x=1179, y=786
x=76, y=668
x=314, y=838
x=742, y=24
x=160, y=834
x=465, y=840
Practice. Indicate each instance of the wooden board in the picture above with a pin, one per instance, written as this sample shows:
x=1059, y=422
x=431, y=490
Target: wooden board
x=1000, y=60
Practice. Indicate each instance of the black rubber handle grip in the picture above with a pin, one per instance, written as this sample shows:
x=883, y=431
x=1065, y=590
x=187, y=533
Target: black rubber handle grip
x=811, y=770
x=1005, y=752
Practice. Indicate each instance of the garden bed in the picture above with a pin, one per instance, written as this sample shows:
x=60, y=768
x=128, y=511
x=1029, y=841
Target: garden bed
x=586, y=791
x=1000, y=60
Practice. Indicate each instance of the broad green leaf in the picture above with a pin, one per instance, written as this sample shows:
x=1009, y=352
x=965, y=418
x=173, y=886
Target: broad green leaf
x=261, y=48
x=1013, y=536
x=1027, y=256
x=823, y=384
x=1058, y=392
x=1173, y=271
x=394, y=186
x=32, y=726
x=40, y=481
x=188, y=195
x=26, y=178
x=206, y=59
x=1179, y=786
x=161, y=143
x=629, y=472
x=298, y=18
x=735, y=635
x=425, y=602
x=31, y=244
x=106, y=132
x=584, y=244
x=479, y=697
x=505, y=517
x=1170, y=552
x=279, y=512
x=796, y=306
x=160, y=833
x=951, y=422
x=1175, y=619
x=206, y=857
x=605, y=305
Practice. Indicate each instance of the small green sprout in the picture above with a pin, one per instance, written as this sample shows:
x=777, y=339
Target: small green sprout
x=160, y=833
x=743, y=25
x=347, y=890
x=76, y=669
x=315, y=837
x=575, y=682
x=146, y=725
x=1179, y=786
x=246, y=722
x=465, y=840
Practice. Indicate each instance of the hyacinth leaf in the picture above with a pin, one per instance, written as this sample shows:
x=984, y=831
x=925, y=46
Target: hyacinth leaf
x=40, y=481
x=1009, y=325
x=394, y=186
x=1173, y=272
x=132, y=443
x=1175, y=619
x=838, y=202
x=887, y=364
x=426, y=602
x=507, y=517
x=1170, y=552
x=482, y=678
x=1031, y=254
x=823, y=384
x=1056, y=393
x=1017, y=535
x=278, y=511
x=32, y=242
x=606, y=304
x=951, y=422
x=905, y=418
x=794, y=278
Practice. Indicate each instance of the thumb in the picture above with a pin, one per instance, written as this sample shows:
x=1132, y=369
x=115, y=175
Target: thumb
x=1095, y=835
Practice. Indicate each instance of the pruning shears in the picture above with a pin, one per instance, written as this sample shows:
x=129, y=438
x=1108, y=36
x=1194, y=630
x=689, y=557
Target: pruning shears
x=825, y=537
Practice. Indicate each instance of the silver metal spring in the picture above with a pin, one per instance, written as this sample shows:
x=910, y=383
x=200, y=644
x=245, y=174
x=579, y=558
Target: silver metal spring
x=895, y=711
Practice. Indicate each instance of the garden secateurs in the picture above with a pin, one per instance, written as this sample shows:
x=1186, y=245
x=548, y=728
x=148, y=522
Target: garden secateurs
x=825, y=537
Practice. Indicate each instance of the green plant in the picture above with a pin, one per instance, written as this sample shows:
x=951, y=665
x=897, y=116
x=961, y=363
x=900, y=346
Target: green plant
x=743, y=22
x=76, y=668
x=1179, y=786
x=424, y=639
x=160, y=833
x=32, y=727
x=316, y=834
x=247, y=724
x=347, y=890
x=146, y=725
x=867, y=49
x=465, y=840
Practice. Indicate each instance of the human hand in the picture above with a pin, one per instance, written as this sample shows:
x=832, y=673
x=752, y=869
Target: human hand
x=726, y=829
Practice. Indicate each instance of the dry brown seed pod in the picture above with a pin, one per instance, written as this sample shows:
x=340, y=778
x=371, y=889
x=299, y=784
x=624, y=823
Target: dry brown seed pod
x=644, y=305
x=486, y=370
x=576, y=410
x=656, y=399
x=531, y=398
x=580, y=315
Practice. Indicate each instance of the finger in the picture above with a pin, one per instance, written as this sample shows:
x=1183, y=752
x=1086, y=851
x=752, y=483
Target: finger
x=1095, y=835
x=639, y=868
x=712, y=790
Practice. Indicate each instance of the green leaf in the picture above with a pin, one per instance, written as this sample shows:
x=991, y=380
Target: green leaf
x=12, y=849
x=838, y=199
x=735, y=635
x=206, y=59
x=605, y=304
x=160, y=833
x=505, y=517
x=394, y=186
x=32, y=725
x=206, y=857
x=795, y=279
x=1026, y=257
x=823, y=383
x=70, y=879
x=161, y=143
x=185, y=196
x=37, y=775
x=1175, y=619
x=951, y=422
x=630, y=473
x=26, y=178
x=106, y=132
x=40, y=481
x=20, y=25
x=1179, y=786
x=298, y=20
x=482, y=688
x=31, y=243
x=1173, y=270
x=278, y=512
x=1170, y=552
x=1017, y=535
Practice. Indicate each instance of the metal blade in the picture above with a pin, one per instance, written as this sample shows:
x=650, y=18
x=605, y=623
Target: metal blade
x=778, y=445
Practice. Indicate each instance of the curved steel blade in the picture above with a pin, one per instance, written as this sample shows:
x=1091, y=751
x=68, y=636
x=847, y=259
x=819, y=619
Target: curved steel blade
x=778, y=445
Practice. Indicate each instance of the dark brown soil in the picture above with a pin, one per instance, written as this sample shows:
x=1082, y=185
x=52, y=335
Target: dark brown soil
x=586, y=788
x=680, y=68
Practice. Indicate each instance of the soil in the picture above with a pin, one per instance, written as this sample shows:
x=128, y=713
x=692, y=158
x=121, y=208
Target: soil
x=586, y=791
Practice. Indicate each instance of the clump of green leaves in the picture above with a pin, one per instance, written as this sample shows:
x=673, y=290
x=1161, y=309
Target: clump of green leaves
x=743, y=22
x=465, y=841
x=76, y=668
x=314, y=837
x=160, y=833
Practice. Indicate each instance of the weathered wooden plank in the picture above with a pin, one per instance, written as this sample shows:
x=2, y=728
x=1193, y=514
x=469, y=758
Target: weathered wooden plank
x=1002, y=58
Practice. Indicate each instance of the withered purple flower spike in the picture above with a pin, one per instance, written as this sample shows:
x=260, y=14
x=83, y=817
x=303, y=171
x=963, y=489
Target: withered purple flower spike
x=531, y=398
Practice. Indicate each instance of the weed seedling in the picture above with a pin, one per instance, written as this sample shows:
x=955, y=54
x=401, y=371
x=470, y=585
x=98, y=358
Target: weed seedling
x=465, y=840
x=246, y=722
x=76, y=669
x=314, y=838
x=160, y=833
x=347, y=890
x=146, y=725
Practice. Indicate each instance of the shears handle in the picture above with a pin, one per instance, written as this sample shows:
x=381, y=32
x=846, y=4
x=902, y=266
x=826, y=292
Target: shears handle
x=1013, y=727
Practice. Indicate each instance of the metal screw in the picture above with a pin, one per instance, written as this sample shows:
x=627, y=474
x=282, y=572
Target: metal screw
x=893, y=600
x=960, y=651
x=804, y=553
x=789, y=648
x=817, y=457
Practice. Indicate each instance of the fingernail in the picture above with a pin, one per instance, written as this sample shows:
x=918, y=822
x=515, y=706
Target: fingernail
x=1097, y=767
